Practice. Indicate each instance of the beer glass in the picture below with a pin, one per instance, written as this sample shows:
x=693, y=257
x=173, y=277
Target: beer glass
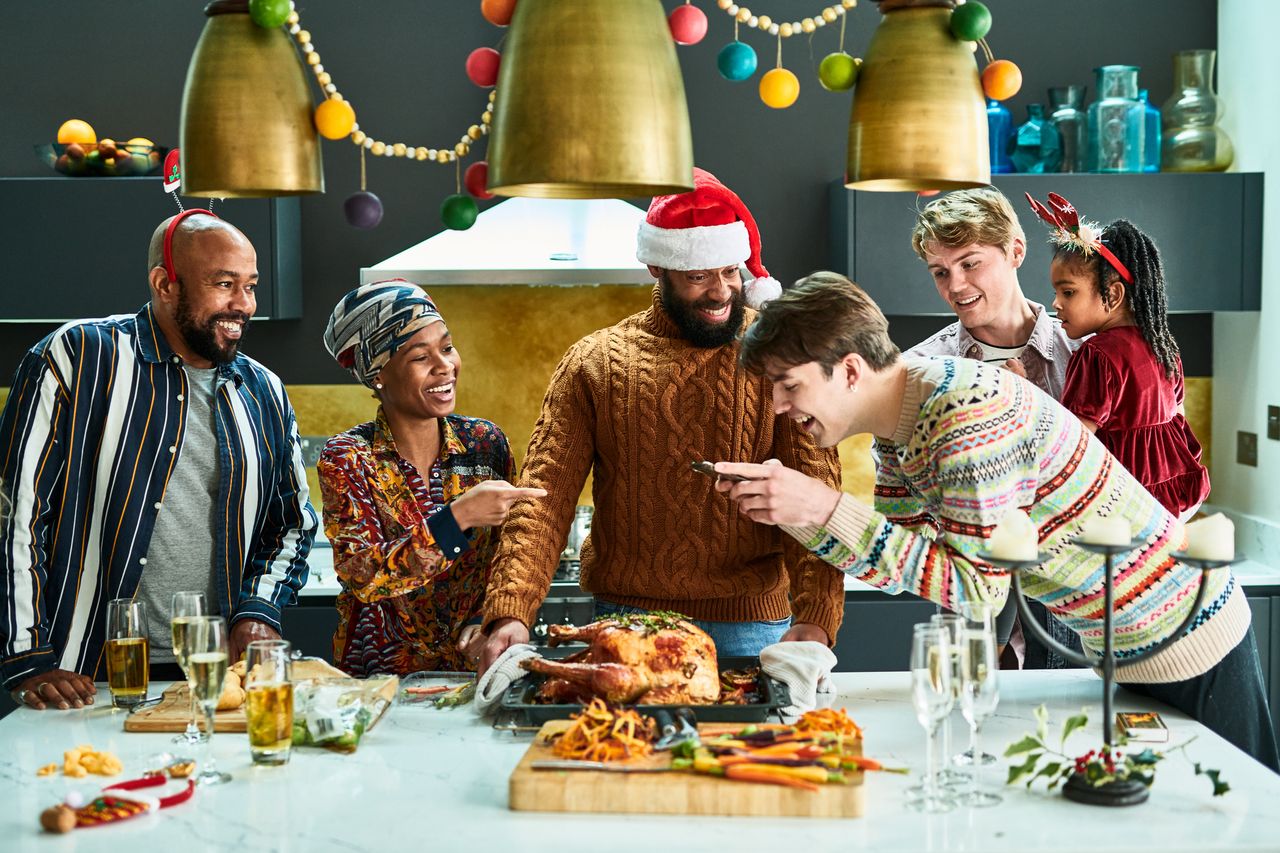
x=127, y=651
x=205, y=646
x=269, y=701
x=186, y=606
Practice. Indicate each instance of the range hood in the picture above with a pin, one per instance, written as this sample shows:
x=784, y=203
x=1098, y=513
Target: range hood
x=528, y=241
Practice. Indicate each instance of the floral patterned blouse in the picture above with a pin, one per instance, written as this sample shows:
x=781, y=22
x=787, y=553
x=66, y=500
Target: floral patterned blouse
x=404, y=600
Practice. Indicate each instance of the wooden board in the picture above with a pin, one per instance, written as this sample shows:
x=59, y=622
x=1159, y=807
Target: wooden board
x=666, y=793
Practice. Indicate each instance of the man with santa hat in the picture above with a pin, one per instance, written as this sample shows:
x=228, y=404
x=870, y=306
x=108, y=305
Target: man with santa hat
x=633, y=405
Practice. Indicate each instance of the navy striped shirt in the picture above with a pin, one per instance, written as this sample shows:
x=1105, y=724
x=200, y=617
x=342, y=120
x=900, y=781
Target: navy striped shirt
x=88, y=438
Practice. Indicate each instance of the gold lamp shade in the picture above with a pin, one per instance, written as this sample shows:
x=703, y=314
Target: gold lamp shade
x=919, y=120
x=246, y=112
x=590, y=103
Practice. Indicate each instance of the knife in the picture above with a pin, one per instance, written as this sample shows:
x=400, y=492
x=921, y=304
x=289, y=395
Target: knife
x=567, y=764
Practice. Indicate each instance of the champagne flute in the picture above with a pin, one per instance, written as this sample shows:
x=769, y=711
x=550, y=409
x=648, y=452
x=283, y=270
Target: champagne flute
x=932, y=698
x=186, y=606
x=979, y=694
x=980, y=615
x=206, y=653
x=127, y=651
x=954, y=625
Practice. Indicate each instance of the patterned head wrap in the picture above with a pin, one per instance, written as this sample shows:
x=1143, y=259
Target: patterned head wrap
x=371, y=322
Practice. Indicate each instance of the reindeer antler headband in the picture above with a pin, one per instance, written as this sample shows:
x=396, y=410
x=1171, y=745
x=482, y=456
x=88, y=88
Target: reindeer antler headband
x=1068, y=231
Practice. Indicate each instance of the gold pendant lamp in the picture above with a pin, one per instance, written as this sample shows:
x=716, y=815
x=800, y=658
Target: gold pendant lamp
x=246, y=126
x=919, y=120
x=590, y=103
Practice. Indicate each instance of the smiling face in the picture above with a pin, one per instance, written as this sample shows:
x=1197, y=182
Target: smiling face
x=707, y=305
x=205, y=312
x=420, y=380
x=979, y=282
x=819, y=404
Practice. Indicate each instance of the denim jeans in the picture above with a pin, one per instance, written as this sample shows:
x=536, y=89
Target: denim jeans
x=732, y=639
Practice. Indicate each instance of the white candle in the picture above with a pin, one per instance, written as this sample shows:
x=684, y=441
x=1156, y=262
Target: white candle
x=1014, y=538
x=1212, y=538
x=1106, y=531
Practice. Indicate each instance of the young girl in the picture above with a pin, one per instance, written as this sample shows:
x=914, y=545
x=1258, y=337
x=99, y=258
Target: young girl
x=1124, y=383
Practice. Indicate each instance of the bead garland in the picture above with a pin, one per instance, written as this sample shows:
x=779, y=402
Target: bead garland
x=764, y=23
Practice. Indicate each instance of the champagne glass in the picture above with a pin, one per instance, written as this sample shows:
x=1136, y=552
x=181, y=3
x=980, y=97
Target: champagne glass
x=932, y=697
x=127, y=651
x=979, y=694
x=980, y=615
x=186, y=606
x=269, y=701
x=954, y=625
x=206, y=653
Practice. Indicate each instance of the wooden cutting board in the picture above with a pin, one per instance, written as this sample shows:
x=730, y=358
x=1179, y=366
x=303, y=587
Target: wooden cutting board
x=666, y=793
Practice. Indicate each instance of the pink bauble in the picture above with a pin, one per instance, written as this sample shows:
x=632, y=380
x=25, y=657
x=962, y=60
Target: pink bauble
x=482, y=66
x=688, y=24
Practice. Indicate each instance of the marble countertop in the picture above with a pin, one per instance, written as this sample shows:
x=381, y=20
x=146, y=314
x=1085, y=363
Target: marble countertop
x=435, y=779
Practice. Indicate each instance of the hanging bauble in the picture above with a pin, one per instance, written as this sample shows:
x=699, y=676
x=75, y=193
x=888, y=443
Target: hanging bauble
x=971, y=21
x=362, y=210
x=269, y=14
x=335, y=119
x=482, y=66
x=838, y=71
x=736, y=61
x=459, y=212
x=779, y=88
x=476, y=180
x=1001, y=79
x=927, y=193
x=497, y=12
x=688, y=24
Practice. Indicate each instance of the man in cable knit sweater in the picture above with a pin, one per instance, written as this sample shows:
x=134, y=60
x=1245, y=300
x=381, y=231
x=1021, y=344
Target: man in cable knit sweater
x=959, y=445
x=634, y=405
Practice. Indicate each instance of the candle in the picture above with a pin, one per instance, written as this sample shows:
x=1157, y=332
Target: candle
x=1212, y=538
x=1106, y=531
x=1014, y=538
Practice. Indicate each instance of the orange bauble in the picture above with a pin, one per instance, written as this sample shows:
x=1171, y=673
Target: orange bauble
x=334, y=118
x=1001, y=80
x=497, y=12
x=779, y=88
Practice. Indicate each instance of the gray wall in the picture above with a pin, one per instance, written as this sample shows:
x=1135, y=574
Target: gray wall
x=122, y=67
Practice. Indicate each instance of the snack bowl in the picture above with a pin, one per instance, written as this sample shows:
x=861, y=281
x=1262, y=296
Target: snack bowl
x=105, y=159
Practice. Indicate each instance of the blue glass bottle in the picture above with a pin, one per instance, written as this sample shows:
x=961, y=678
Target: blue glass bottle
x=1116, y=121
x=1151, y=134
x=1026, y=154
x=999, y=132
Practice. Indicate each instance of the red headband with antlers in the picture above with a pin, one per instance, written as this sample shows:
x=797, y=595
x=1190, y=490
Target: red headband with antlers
x=1068, y=230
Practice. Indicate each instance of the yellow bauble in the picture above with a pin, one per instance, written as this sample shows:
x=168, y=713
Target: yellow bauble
x=779, y=88
x=334, y=118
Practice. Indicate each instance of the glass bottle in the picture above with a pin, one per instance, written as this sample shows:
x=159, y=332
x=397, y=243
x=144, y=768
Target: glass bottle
x=1065, y=128
x=1150, y=133
x=1116, y=121
x=1027, y=140
x=1193, y=142
x=999, y=132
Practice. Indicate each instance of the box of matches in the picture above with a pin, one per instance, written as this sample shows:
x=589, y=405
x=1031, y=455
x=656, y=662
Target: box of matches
x=1142, y=726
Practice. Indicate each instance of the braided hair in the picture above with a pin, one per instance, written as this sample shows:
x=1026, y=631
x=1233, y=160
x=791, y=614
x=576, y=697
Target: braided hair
x=1145, y=297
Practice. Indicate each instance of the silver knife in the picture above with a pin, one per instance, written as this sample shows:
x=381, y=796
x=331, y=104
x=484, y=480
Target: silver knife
x=567, y=764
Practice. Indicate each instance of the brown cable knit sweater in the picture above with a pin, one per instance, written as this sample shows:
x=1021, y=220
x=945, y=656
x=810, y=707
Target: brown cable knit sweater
x=636, y=403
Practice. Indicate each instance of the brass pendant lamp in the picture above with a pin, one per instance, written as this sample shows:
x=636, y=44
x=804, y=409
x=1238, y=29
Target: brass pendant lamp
x=590, y=103
x=246, y=126
x=919, y=120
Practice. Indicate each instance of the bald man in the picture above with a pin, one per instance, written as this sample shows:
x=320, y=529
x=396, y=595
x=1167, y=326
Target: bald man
x=142, y=455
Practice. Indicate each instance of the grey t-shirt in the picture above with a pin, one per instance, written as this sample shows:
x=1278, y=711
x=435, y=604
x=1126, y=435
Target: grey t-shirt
x=180, y=556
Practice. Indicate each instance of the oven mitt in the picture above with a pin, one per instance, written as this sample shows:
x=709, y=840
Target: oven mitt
x=805, y=667
x=504, y=672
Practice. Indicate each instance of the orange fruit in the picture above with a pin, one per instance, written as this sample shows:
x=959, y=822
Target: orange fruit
x=334, y=118
x=75, y=130
x=1001, y=80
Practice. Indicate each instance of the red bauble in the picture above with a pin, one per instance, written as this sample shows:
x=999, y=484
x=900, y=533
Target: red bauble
x=688, y=24
x=482, y=66
x=476, y=180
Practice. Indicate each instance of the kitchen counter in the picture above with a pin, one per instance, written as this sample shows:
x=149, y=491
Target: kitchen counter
x=439, y=779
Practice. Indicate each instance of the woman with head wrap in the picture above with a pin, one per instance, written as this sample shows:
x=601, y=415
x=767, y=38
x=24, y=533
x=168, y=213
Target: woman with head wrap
x=412, y=500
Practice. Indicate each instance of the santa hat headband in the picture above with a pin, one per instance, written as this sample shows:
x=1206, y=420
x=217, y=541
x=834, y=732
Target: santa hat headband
x=705, y=228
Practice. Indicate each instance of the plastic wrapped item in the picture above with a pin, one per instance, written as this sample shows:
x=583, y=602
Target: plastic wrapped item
x=436, y=689
x=335, y=713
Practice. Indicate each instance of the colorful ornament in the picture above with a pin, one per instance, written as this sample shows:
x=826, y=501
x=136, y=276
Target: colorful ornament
x=363, y=210
x=335, y=118
x=498, y=12
x=779, y=88
x=688, y=24
x=1001, y=79
x=269, y=14
x=459, y=212
x=838, y=71
x=736, y=61
x=482, y=66
x=476, y=180
x=971, y=21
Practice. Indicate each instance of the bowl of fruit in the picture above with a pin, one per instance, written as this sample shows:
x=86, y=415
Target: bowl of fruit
x=79, y=153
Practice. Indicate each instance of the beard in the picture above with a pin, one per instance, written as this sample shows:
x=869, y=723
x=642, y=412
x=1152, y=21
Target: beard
x=202, y=335
x=695, y=329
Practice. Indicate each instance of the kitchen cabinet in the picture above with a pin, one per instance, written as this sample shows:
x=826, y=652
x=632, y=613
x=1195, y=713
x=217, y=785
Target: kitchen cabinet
x=78, y=246
x=1207, y=226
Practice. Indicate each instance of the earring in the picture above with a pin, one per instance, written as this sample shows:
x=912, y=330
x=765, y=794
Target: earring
x=377, y=386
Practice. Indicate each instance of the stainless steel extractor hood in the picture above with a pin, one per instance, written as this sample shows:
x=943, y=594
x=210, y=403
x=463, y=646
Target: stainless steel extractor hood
x=528, y=241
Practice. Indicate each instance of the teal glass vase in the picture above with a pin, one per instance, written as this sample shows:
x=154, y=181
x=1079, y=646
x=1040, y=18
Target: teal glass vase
x=1116, y=121
x=999, y=133
x=1151, y=134
x=1027, y=141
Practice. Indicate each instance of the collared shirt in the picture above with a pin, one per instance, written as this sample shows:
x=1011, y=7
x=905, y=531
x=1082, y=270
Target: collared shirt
x=1045, y=357
x=88, y=440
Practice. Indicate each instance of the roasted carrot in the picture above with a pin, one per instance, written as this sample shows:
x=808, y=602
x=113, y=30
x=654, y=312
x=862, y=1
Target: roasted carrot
x=752, y=773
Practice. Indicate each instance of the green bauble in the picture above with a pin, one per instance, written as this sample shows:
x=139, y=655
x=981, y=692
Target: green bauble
x=838, y=71
x=459, y=212
x=269, y=14
x=971, y=21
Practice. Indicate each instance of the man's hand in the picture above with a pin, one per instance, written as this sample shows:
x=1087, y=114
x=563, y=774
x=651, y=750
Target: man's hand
x=1014, y=365
x=471, y=643
x=57, y=688
x=245, y=632
x=801, y=631
x=487, y=504
x=503, y=634
x=775, y=494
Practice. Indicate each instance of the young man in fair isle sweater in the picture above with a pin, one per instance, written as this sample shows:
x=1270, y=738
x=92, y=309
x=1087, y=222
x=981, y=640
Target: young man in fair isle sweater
x=634, y=405
x=960, y=444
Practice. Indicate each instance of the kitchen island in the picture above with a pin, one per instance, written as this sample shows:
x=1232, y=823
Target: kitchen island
x=432, y=780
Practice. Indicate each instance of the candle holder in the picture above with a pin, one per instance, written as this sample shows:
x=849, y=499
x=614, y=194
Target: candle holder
x=1126, y=792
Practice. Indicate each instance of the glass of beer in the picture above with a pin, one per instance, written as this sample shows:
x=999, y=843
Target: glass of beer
x=268, y=703
x=205, y=646
x=186, y=606
x=127, y=651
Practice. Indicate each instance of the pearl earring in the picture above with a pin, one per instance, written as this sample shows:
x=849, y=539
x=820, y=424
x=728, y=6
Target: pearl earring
x=377, y=386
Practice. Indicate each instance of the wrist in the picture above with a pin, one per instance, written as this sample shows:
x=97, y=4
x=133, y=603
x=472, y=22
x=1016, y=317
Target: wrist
x=827, y=506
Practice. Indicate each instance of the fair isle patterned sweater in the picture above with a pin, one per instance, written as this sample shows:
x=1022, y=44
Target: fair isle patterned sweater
x=974, y=442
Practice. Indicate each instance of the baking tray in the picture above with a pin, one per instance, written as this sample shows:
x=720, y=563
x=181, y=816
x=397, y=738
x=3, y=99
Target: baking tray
x=519, y=700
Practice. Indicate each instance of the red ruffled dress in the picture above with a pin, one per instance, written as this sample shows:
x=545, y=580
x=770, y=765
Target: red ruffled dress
x=1115, y=381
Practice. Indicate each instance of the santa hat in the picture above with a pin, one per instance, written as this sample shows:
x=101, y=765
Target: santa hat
x=706, y=228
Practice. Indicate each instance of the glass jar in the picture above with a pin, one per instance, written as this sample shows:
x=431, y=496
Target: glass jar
x=1150, y=133
x=1063, y=142
x=1116, y=121
x=999, y=133
x=1027, y=140
x=1193, y=142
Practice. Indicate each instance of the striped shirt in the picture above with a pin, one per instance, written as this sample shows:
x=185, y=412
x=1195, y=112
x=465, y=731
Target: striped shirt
x=88, y=440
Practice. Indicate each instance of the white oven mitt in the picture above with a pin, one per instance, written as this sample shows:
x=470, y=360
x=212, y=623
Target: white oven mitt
x=805, y=667
x=505, y=671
